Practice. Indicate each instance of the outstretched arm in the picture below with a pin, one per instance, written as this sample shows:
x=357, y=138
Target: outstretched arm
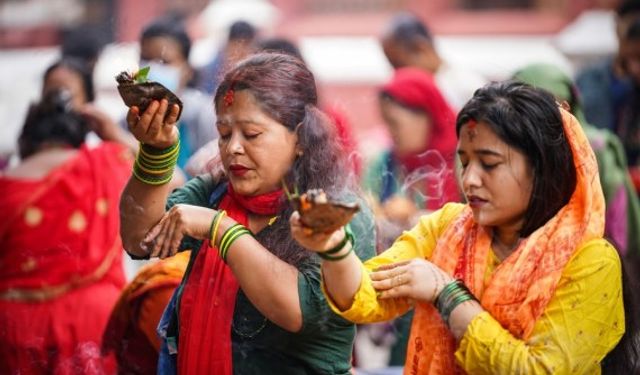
x=142, y=205
x=341, y=278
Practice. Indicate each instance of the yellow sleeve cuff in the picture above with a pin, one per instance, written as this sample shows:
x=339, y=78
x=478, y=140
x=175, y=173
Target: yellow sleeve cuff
x=366, y=308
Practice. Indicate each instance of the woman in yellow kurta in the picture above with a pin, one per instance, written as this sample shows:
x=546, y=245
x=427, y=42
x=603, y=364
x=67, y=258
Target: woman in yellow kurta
x=517, y=281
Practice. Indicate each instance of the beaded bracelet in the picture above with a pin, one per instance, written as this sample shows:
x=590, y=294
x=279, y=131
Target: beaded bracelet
x=348, y=237
x=155, y=166
x=213, y=229
x=452, y=295
x=229, y=236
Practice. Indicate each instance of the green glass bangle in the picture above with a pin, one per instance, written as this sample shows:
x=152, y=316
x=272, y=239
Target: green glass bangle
x=157, y=166
x=225, y=237
x=229, y=237
x=232, y=239
x=447, y=313
x=445, y=292
x=348, y=236
x=336, y=258
x=155, y=152
x=154, y=166
x=452, y=295
x=151, y=179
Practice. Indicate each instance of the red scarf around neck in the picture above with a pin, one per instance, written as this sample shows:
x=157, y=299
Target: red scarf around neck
x=208, y=301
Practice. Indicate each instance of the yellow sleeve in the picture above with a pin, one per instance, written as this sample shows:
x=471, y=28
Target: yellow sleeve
x=418, y=242
x=581, y=324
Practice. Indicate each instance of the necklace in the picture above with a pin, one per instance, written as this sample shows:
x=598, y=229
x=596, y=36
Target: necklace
x=249, y=335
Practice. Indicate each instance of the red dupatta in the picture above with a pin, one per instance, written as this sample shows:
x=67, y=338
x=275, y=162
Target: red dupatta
x=417, y=89
x=208, y=301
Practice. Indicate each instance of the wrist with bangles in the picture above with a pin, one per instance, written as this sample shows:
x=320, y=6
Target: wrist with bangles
x=451, y=296
x=155, y=166
x=330, y=254
x=228, y=236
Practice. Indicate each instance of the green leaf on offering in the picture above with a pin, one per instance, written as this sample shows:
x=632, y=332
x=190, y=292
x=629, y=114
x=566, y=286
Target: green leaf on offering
x=141, y=75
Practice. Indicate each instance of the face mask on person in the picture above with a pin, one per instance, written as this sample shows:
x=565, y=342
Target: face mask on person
x=167, y=75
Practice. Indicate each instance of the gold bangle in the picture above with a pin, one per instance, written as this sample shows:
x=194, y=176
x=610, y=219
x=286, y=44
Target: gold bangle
x=216, y=225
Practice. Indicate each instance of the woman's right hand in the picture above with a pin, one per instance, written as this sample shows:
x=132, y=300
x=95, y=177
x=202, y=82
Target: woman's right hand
x=155, y=127
x=163, y=240
x=314, y=241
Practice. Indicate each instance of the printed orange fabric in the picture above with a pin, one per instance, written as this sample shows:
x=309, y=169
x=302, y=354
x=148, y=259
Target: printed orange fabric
x=127, y=327
x=524, y=283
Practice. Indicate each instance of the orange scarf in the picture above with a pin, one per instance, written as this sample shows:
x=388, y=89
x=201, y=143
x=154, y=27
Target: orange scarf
x=524, y=283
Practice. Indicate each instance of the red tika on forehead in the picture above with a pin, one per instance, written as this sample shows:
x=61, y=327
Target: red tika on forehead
x=472, y=124
x=228, y=97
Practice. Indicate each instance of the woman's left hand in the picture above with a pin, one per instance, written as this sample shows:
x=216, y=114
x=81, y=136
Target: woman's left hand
x=416, y=279
x=181, y=220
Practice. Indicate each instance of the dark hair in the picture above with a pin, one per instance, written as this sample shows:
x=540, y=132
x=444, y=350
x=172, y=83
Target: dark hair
x=171, y=27
x=279, y=45
x=53, y=120
x=628, y=7
x=285, y=89
x=79, y=67
x=408, y=30
x=529, y=120
x=633, y=33
x=83, y=42
x=241, y=30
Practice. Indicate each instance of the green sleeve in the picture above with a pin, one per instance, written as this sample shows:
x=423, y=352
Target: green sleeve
x=195, y=192
x=316, y=314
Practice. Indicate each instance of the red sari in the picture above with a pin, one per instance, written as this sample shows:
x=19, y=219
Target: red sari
x=61, y=263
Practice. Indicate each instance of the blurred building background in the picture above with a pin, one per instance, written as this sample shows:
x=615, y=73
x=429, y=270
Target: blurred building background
x=338, y=38
x=31, y=23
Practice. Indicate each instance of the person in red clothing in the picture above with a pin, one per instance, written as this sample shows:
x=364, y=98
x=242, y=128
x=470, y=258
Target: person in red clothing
x=417, y=172
x=61, y=260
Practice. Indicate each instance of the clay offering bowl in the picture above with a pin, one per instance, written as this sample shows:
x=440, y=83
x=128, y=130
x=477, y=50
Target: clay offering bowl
x=136, y=90
x=321, y=214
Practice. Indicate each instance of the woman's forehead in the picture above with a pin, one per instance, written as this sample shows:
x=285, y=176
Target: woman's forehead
x=243, y=110
x=480, y=136
x=476, y=131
